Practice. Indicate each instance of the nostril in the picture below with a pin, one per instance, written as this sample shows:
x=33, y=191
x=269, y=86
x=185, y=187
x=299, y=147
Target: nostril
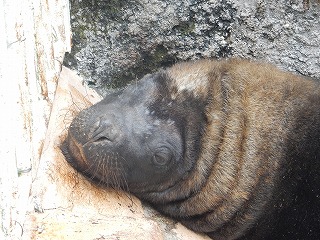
x=102, y=139
x=104, y=130
x=104, y=134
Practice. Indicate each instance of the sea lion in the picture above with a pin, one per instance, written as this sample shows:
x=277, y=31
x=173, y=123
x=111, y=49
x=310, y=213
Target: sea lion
x=230, y=148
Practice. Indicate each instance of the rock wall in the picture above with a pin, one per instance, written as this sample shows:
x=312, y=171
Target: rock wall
x=115, y=42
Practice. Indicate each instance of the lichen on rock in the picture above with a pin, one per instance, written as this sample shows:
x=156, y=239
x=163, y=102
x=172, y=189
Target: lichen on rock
x=116, y=42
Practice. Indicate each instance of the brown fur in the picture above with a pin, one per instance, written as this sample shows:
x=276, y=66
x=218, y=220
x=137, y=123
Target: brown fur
x=262, y=104
x=259, y=148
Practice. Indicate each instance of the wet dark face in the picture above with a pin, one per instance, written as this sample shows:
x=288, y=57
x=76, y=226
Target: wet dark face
x=130, y=140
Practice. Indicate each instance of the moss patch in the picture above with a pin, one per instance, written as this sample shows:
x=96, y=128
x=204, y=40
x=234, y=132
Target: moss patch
x=185, y=28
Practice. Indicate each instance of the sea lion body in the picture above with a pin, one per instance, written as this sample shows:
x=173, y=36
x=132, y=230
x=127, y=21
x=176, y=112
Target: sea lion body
x=230, y=148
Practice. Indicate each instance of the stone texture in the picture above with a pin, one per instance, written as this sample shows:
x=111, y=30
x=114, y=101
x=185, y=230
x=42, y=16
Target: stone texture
x=115, y=42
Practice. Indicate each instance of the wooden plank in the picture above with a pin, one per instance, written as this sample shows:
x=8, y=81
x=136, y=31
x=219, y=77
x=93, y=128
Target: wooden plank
x=34, y=35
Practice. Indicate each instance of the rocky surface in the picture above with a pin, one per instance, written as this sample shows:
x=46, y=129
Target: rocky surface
x=118, y=41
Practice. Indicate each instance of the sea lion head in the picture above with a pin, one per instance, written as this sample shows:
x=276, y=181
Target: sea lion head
x=136, y=138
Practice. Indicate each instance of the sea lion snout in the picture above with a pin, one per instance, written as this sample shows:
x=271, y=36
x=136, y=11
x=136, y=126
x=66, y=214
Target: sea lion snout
x=74, y=153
